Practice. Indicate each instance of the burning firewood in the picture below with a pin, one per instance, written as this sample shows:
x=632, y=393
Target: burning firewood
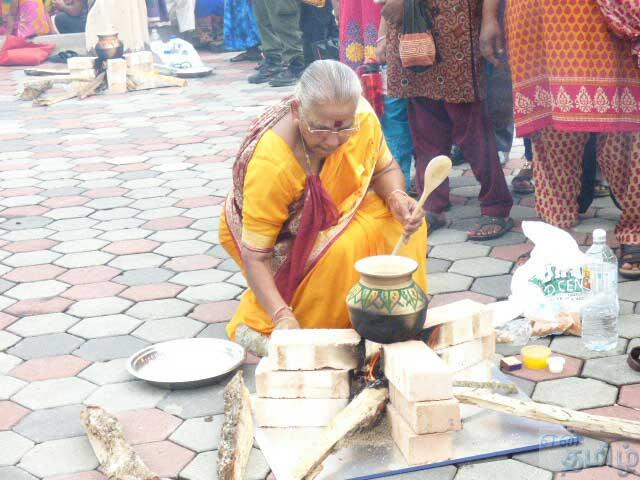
x=118, y=461
x=237, y=432
x=362, y=412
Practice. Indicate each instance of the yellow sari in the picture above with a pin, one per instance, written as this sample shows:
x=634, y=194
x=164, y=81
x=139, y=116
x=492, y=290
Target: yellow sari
x=274, y=181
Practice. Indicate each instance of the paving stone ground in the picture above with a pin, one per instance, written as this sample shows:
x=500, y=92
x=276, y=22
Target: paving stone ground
x=109, y=214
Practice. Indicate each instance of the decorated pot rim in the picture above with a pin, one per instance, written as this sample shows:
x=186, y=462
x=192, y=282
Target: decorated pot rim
x=386, y=266
x=108, y=33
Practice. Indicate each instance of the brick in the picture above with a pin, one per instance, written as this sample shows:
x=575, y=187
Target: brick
x=453, y=333
x=81, y=63
x=117, y=75
x=325, y=383
x=455, y=311
x=464, y=355
x=480, y=372
x=419, y=449
x=313, y=349
x=427, y=417
x=296, y=412
x=417, y=371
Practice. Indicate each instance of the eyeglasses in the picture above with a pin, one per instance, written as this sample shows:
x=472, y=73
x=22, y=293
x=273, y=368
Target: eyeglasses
x=343, y=133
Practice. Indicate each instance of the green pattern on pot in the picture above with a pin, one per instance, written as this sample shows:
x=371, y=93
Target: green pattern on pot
x=390, y=301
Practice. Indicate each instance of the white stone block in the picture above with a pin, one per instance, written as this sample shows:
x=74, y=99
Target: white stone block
x=417, y=371
x=435, y=416
x=464, y=355
x=117, y=75
x=82, y=63
x=325, y=383
x=296, y=412
x=313, y=349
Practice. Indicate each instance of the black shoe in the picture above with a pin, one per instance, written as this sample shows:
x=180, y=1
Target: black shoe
x=457, y=158
x=269, y=68
x=288, y=76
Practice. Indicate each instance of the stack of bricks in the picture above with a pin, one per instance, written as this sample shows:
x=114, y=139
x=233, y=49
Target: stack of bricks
x=305, y=379
x=465, y=339
x=82, y=69
x=422, y=413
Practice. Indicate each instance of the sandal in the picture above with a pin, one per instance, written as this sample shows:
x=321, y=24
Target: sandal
x=62, y=57
x=601, y=190
x=434, y=222
x=522, y=183
x=629, y=254
x=505, y=224
x=251, y=55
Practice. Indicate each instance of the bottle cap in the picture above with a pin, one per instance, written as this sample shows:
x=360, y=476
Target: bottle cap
x=599, y=235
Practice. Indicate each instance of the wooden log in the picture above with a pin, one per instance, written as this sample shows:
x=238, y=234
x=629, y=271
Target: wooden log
x=252, y=341
x=597, y=424
x=146, y=81
x=48, y=101
x=43, y=72
x=361, y=413
x=91, y=88
x=118, y=461
x=237, y=431
x=505, y=387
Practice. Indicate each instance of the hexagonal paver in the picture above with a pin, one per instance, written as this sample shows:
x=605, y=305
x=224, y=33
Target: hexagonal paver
x=48, y=368
x=93, y=290
x=84, y=259
x=152, y=291
x=571, y=368
x=60, y=456
x=155, y=331
x=215, y=330
x=157, y=309
x=96, y=307
x=199, y=434
x=46, y=346
x=201, y=277
x=613, y=370
x=43, y=324
x=105, y=326
x=191, y=262
x=447, y=282
x=83, y=245
x=10, y=414
x=46, y=288
x=630, y=396
x=570, y=393
x=144, y=276
x=144, y=426
x=15, y=473
x=182, y=248
x=193, y=403
x=629, y=325
x=570, y=345
x=203, y=467
x=126, y=396
x=622, y=455
x=495, y=286
x=212, y=292
x=110, y=348
x=80, y=276
x=13, y=447
x=164, y=458
x=501, y=470
x=8, y=362
x=128, y=247
x=52, y=424
x=480, y=267
x=7, y=340
x=54, y=393
x=596, y=473
x=9, y=386
x=34, y=273
x=103, y=373
x=215, y=312
x=458, y=251
x=629, y=291
x=138, y=260
x=589, y=453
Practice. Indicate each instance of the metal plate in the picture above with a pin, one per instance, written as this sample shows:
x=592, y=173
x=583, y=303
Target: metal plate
x=187, y=363
x=373, y=454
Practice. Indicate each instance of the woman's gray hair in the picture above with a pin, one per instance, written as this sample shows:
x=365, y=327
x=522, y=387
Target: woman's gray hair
x=327, y=81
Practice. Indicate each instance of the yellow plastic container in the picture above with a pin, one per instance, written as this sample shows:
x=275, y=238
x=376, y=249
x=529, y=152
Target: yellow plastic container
x=535, y=357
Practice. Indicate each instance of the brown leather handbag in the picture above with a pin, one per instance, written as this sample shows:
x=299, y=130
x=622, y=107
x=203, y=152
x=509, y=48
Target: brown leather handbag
x=417, y=46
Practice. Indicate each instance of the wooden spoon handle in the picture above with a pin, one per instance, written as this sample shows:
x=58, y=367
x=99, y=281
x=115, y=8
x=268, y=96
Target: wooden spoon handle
x=416, y=213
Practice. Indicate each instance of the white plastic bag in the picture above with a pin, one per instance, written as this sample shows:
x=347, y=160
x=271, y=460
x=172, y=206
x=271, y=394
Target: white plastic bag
x=553, y=285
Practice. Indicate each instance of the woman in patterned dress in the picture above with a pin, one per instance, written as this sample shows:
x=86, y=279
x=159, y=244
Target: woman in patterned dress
x=572, y=76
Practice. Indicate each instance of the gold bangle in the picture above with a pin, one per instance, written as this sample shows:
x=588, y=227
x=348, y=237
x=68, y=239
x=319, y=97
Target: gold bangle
x=284, y=307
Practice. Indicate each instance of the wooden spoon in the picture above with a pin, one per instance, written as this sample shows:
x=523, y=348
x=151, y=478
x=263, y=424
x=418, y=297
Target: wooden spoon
x=437, y=170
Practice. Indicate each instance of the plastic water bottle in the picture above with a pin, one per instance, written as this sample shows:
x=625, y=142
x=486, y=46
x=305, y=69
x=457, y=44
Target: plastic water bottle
x=600, y=315
x=155, y=42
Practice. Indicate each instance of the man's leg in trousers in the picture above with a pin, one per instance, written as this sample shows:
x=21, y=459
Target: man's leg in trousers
x=431, y=131
x=284, y=16
x=473, y=131
x=270, y=43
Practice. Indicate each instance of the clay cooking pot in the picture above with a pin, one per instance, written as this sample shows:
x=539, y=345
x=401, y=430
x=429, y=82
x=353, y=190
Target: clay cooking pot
x=109, y=46
x=386, y=305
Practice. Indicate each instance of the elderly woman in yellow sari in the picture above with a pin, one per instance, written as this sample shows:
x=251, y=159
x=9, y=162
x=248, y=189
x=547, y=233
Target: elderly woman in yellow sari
x=315, y=189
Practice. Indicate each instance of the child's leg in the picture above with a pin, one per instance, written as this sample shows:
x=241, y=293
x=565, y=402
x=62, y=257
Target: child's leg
x=395, y=124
